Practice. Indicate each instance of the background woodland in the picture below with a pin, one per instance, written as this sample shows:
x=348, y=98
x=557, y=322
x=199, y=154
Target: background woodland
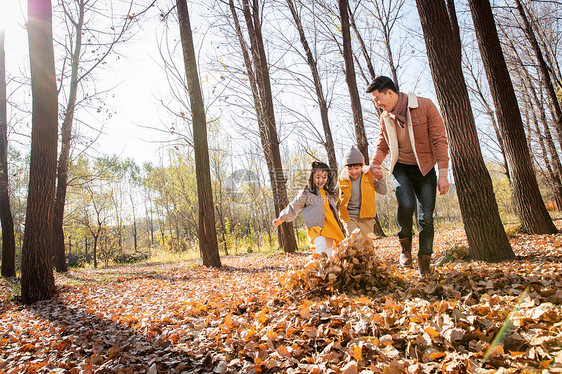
x=256, y=91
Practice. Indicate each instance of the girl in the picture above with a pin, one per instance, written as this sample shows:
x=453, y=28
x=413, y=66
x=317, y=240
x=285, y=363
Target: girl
x=317, y=202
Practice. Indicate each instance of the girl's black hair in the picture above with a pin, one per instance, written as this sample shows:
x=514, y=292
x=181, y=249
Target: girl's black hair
x=329, y=187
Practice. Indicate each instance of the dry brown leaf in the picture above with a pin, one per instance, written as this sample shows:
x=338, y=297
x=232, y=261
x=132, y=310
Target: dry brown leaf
x=288, y=312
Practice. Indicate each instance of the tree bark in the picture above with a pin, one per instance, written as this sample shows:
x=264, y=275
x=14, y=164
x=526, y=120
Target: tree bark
x=555, y=182
x=95, y=250
x=529, y=204
x=258, y=74
x=287, y=236
x=312, y=64
x=358, y=124
x=553, y=164
x=554, y=161
x=207, y=230
x=8, y=237
x=484, y=230
x=135, y=233
x=355, y=100
x=492, y=114
x=542, y=68
x=66, y=136
x=364, y=51
x=37, y=281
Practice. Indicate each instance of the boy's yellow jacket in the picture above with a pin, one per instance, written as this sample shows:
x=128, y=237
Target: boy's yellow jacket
x=368, y=187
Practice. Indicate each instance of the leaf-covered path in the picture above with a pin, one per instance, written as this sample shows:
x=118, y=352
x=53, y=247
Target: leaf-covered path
x=259, y=314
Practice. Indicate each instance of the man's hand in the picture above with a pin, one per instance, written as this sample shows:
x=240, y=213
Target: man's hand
x=277, y=222
x=376, y=170
x=443, y=185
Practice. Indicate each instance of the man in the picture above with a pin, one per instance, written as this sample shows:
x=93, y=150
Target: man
x=412, y=130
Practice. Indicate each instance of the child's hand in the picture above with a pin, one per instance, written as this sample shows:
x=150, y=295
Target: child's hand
x=277, y=222
x=376, y=170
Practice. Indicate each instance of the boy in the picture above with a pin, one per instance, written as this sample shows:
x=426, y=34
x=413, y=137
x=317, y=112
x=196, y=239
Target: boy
x=357, y=206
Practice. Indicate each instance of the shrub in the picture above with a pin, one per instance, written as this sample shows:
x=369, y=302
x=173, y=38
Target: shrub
x=76, y=260
x=130, y=258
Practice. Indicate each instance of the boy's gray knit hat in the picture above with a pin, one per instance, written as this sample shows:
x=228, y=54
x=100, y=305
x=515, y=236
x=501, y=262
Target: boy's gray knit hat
x=353, y=156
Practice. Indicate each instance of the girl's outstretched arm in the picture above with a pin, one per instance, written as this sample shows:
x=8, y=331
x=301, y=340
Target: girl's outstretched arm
x=290, y=212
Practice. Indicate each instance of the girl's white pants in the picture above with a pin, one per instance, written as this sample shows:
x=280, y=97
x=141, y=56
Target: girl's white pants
x=323, y=245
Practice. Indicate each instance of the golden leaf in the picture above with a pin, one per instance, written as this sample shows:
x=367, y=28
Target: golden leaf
x=516, y=354
x=436, y=355
x=228, y=320
x=431, y=331
x=355, y=352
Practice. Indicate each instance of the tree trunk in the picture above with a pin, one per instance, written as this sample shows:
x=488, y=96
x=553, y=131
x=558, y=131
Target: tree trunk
x=119, y=220
x=220, y=213
x=258, y=75
x=533, y=216
x=550, y=48
x=364, y=51
x=484, y=230
x=355, y=100
x=312, y=64
x=491, y=113
x=554, y=163
x=95, y=250
x=135, y=234
x=555, y=182
x=389, y=55
x=150, y=224
x=8, y=237
x=542, y=68
x=86, y=254
x=66, y=136
x=359, y=126
x=207, y=230
x=287, y=235
x=37, y=281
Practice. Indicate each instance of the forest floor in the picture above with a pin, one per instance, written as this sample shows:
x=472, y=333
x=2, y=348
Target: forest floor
x=293, y=314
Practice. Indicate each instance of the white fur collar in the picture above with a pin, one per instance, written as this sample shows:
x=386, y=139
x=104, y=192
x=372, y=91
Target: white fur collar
x=412, y=100
x=345, y=174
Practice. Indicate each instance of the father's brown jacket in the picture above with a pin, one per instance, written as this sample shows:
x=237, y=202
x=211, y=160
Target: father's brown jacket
x=427, y=136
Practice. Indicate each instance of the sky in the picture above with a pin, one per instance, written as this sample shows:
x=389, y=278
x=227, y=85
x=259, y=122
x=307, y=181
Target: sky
x=138, y=82
x=142, y=84
x=137, y=79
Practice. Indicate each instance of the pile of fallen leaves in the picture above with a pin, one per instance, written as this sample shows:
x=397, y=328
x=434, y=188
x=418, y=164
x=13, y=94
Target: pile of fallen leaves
x=286, y=314
x=354, y=267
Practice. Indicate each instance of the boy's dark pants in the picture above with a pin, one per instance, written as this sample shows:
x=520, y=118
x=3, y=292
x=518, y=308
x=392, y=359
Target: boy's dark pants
x=413, y=188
